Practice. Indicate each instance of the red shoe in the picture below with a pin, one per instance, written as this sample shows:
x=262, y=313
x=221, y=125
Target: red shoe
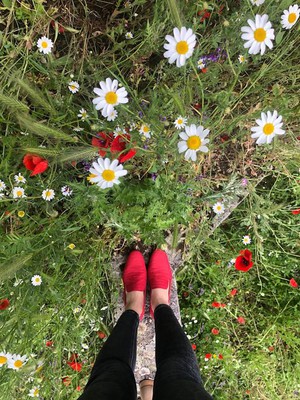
x=135, y=276
x=159, y=273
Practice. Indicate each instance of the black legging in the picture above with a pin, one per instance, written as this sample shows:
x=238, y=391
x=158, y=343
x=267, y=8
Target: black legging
x=177, y=376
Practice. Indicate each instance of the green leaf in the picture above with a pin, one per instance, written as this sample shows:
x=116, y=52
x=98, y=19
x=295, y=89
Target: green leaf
x=13, y=265
x=279, y=37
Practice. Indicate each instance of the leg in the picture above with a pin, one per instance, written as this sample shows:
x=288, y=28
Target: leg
x=177, y=375
x=112, y=375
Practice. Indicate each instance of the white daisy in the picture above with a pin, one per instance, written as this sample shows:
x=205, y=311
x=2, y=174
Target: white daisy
x=36, y=280
x=82, y=114
x=201, y=63
x=78, y=129
x=128, y=35
x=34, y=392
x=2, y=186
x=73, y=86
x=219, y=208
x=20, y=178
x=66, y=191
x=241, y=59
x=180, y=122
x=77, y=310
x=16, y=361
x=4, y=358
x=290, y=17
x=106, y=173
x=112, y=116
x=257, y=2
x=109, y=96
x=18, y=192
x=44, y=45
x=145, y=130
x=258, y=34
x=268, y=126
x=180, y=47
x=48, y=194
x=246, y=239
x=193, y=141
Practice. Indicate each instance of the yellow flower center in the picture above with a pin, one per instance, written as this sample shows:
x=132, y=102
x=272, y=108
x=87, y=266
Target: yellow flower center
x=71, y=246
x=18, y=363
x=219, y=208
x=48, y=193
x=44, y=45
x=37, y=280
x=194, y=142
x=260, y=34
x=3, y=360
x=36, y=392
x=108, y=175
x=179, y=121
x=91, y=176
x=292, y=18
x=111, y=97
x=73, y=87
x=19, y=193
x=146, y=129
x=21, y=214
x=268, y=129
x=182, y=47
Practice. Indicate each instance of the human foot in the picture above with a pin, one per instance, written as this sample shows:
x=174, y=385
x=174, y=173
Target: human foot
x=135, y=301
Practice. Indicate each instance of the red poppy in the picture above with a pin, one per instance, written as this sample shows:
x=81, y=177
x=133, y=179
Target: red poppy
x=103, y=142
x=208, y=355
x=101, y=335
x=34, y=163
x=224, y=138
x=197, y=106
x=271, y=348
x=205, y=14
x=49, y=343
x=215, y=331
x=204, y=70
x=220, y=357
x=233, y=292
x=119, y=144
x=293, y=283
x=296, y=212
x=74, y=357
x=61, y=29
x=241, y=320
x=78, y=388
x=194, y=347
x=243, y=262
x=76, y=366
x=216, y=304
x=4, y=303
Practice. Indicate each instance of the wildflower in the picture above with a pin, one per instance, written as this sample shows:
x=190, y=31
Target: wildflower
x=101, y=335
x=106, y=173
x=112, y=116
x=48, y=194
x=77, y=310
x=18, y=192
x=180, y=47
x=74, y=364
x=73, y=86
x=128, y=35
x=193, y=141
x=109, y=96
x=34, y=392
x=49, y=343
x=246, y=240
x=21, y=214
x=241, y=320
x=145, y=130
x=71, y=246
x=103, y=141
x=36, y=280
x=4, y=304
x=16, y=361
x=290, y=17
x=82, y=114
x=219, y=208
x=241, y=59
x=215, y=331
x=205, y=14
x=244, y=182
x=268, y=126
x=19, y=178
x=257, y=2
x=180, y=122
x=119, y=144
x=44, y=45
x=233, y=292
x=258, y=34
x=243, y=262
x=201, y=63
x=293, y=283
x=220, y=357
x=66, y=191
x=218, y=305
x=194, y=347
x=34, y=163
x=4, y=358
x=2, y=186
x=296, y=212
x=78, y=129
x=207, y=356
x=85, y=346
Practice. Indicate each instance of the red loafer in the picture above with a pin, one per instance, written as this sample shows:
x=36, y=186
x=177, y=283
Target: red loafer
x=159, y=273
x=135, y=276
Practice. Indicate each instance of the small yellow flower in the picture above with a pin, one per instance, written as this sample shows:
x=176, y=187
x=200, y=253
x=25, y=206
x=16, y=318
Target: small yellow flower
x=72, y=246
x=21, y=214
x=226, y=23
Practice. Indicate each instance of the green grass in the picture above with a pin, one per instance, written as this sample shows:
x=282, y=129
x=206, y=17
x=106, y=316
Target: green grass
x=260, y=357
